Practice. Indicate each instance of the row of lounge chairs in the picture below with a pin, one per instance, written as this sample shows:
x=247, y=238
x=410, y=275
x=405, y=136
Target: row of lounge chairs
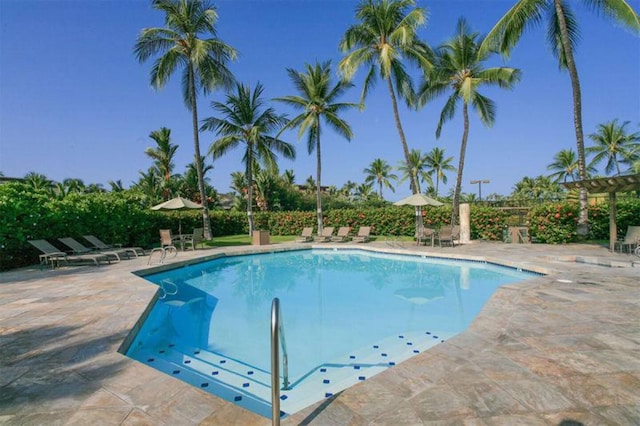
x=327, y=235
x=99, y=252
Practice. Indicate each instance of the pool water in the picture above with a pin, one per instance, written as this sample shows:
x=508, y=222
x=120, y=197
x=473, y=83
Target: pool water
x=347, y=314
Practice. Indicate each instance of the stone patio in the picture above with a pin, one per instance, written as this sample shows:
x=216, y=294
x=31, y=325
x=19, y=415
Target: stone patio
x=558, y=349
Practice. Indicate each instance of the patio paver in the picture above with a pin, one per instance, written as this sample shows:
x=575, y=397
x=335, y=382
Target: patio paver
x=540, y=352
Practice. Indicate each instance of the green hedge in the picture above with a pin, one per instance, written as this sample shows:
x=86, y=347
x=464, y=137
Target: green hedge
x=124, y=217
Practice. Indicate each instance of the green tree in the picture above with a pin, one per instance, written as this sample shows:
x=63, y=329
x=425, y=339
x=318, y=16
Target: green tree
x=38, y=181
x=415, y=169
x=116, y=185
x=364, y=192
x=565, y=166
x=459, y=69
x=316, y=100
x=162, y=156
x=563, y=36
x=245, y=121
x=385, y=38
x=541, y=188
x=615, y=145
x=438, y=165
x=188, y=184
x=188, y=40
x=379, y=171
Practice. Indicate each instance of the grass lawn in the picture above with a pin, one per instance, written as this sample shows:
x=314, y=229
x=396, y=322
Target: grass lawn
x=245, y=240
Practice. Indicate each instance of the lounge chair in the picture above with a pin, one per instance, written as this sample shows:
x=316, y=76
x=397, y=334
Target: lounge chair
x=326, y=235
x=630, y=241
x=343, y=235
x=78, y=248
x=448, y=234
x=306, y=235
x=363, y=235
x=194, y=239
x=53, y=255
x=99, y=245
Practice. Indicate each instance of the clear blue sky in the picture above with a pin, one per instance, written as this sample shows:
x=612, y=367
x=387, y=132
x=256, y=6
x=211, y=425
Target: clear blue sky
x=74, y=102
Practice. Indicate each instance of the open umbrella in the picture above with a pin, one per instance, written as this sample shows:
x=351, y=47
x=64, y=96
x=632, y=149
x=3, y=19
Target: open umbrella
x=177, y=203
x=418, y=200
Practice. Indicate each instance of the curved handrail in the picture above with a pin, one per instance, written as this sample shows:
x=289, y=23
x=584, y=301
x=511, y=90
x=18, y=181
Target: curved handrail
x=277, y=339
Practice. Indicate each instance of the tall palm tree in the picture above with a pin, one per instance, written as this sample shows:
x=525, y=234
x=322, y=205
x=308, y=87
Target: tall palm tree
x=379, y=171
x=615, y=145
x=562, y=35
x=188, y=40
x=438, y=165
x=316, y=100
x=245, y=121
x=459, y=69
x=415, y=169
x=385, y=37
x=163, y=156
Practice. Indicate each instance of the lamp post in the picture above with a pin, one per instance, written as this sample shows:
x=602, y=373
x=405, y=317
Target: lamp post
x=480, y=182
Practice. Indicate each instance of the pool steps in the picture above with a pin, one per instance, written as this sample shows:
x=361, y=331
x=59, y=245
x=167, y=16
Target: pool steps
x=250, y=387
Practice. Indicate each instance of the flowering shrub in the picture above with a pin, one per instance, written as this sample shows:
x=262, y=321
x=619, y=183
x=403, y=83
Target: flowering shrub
x=487, y=223
x=554, y=223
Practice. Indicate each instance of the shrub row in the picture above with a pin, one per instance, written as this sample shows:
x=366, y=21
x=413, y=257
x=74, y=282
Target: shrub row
x=123, y=217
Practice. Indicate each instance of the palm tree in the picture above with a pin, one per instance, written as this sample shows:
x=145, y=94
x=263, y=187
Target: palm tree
x=364, y=192
x=181, y=43
x=163, y=156
x=149, y=183
x=459, y=68
x=348, y=188
x=438, y=165
x=38, y=181
x=379, y=171
x=188, y=185
x=385, y=36
x=116, y=185
x=563, y=37
x=316, y=100
x=415, y=169
x=613, y=143
x=246, y=121
x=289, y=177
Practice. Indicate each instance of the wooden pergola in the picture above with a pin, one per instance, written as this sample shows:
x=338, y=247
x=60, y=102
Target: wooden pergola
x=611, y=185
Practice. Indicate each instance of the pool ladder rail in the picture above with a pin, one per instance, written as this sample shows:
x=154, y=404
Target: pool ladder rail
x=277, y=339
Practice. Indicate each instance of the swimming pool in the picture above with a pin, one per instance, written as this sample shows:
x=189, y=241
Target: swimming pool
x=348, y=314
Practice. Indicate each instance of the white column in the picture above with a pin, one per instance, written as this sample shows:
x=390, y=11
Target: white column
x=465, y=224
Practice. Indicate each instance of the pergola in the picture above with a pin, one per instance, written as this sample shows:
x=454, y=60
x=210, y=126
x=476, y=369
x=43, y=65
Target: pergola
x=612, y=185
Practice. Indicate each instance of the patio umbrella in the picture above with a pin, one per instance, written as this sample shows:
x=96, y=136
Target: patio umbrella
x=418, y=200
x=177, y=203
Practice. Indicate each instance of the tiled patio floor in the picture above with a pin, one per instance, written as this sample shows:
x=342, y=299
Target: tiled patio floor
x=542, y=352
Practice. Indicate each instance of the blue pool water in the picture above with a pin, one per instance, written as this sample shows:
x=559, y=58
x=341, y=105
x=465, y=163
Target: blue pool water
x=348, y=314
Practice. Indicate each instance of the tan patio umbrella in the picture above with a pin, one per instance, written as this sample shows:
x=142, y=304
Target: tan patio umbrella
x=177, y=203
x=418, y=200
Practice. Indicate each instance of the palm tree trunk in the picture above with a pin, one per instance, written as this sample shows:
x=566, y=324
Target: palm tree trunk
x=583, y=225
x=405, y=147
x=250, y=187
x=318, y=185
x=196, y=142
x=437, y=183
x=380, y=188
x=463, y=149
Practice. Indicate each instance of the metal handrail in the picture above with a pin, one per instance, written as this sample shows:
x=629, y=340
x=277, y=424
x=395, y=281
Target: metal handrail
x=277, y=339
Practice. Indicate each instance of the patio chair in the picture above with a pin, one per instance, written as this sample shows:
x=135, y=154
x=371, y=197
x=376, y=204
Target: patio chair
x=447, y=234
x=100, y=245
x=78, y=248
x=306, y=235
x=426, y=234
x=630, y=241
x=326, y=235
x=194, y=239
x=363, y=235
x=167, y=246
x=343, y=235
x=53, y=255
